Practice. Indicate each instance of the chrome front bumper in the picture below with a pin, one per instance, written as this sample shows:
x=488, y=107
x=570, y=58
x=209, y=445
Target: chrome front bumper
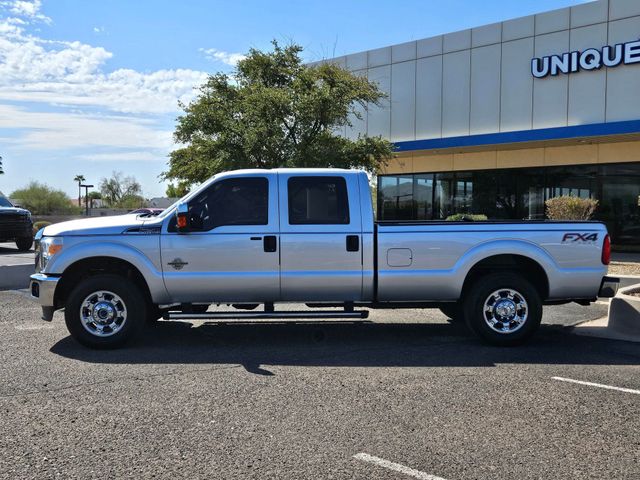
x=43, y=289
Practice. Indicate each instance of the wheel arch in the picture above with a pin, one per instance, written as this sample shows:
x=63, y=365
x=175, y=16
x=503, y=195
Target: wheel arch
x=91, y=266
x=523, y=265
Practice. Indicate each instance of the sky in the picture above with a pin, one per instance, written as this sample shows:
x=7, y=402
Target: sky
x=91, y=87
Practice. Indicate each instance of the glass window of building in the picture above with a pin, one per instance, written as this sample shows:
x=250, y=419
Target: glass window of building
x=517, y=194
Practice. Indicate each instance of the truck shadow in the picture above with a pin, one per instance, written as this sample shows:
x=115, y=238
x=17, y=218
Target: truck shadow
x=6, y=249
x=347, y=344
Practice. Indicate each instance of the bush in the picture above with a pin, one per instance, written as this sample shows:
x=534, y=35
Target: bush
x=466, y=217
x=41, y=199
x=570, y=208
x=38, y=225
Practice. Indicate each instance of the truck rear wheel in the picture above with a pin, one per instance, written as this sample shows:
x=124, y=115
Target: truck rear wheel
x=105, y=311
x=24, y=244
x=503, y=308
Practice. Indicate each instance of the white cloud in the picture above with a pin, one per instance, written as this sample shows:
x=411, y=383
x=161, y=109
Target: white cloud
x=130, y=156
x=29, y=9
x=72, y=73
x=221, y=56
x=69, y=131
x=130, y=115
x=98, y=30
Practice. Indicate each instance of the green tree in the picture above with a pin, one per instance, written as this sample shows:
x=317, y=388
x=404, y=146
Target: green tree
x=131, y=201
x=117, y=190
x=94, y=196
x=79, y=178
x=41, y=199
x=178, y=190
x=274, y=111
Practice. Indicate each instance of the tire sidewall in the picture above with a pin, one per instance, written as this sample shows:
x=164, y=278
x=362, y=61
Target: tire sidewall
x=482, y=288
x=24, y=244
x=130, y=294
x=453, y=311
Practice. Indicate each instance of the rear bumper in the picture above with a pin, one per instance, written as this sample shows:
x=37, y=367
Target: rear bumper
x=43, y=289
x=608, y=287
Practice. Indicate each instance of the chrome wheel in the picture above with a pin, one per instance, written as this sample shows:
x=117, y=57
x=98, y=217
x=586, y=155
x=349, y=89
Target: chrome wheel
x=505, y=310
x=103, y=313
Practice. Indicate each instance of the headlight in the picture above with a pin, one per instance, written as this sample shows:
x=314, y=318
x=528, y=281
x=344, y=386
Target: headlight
x=49, y=246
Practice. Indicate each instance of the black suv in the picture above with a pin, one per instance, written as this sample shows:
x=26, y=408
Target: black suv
x=15, y=225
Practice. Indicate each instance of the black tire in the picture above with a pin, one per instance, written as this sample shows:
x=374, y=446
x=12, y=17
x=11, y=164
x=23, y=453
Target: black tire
x=24, y=244
x=153, y=314
x=527, y=300
x=453, y=311
x=131, y=298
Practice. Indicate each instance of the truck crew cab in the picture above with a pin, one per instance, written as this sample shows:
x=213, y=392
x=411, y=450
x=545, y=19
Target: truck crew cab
x=254, y=237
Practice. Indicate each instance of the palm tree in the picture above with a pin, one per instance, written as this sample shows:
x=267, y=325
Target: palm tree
x=79, y=178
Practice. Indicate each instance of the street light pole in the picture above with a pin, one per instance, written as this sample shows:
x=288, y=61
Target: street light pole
x=86, y=197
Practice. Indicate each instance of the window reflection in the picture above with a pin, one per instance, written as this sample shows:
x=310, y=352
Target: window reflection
x=517, y=194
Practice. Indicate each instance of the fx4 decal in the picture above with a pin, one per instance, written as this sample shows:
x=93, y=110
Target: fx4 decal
x=573, y=237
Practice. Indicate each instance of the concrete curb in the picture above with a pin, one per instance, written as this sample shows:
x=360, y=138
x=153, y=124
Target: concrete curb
x=14, y=277
x=623, y=321
x=627, y=280
x=624, y=312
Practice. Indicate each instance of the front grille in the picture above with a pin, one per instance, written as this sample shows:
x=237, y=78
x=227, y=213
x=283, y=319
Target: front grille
x=12, y=224
x=17, y=218
x=20, y=224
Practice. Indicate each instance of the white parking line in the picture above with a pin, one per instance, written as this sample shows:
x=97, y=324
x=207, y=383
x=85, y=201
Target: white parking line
x=381, y=462
x=599, y=385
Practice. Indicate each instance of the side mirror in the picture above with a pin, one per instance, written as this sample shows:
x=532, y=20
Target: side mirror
x=182, y=218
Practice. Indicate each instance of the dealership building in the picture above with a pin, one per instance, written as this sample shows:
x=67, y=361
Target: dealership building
x=497, y=119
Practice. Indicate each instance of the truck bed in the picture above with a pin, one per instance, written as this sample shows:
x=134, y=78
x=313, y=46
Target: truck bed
x=430, y=260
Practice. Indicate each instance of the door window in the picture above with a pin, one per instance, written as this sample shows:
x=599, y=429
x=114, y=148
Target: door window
x=318, y=201
x=235, y=201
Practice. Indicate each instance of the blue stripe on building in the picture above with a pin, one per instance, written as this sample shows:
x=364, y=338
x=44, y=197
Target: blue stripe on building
x=522, y=136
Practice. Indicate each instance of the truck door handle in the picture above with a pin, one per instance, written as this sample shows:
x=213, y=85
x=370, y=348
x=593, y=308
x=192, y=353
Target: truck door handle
x=270, y=243
x=353, y=243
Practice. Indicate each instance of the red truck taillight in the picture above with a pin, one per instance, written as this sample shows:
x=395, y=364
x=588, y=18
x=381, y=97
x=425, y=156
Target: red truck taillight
x=606, y=250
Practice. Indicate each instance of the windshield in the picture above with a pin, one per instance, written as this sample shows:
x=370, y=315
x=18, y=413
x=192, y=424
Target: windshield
x=4, y=202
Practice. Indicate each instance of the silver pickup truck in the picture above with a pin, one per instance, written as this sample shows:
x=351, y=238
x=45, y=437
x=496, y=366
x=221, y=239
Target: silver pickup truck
x=260, y=237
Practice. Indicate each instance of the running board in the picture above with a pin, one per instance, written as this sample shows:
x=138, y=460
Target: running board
x=265, y=315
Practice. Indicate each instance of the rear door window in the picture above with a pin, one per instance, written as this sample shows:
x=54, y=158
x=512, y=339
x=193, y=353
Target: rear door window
x=318, y=200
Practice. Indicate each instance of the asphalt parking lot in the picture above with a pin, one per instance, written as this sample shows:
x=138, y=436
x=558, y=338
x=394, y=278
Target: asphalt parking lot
x=406, y=395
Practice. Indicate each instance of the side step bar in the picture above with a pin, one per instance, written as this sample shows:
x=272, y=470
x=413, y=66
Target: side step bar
x=266, y=315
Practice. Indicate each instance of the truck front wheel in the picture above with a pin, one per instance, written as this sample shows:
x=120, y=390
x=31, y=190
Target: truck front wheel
x=503, y=308
x=105, y=311
x=24, y=244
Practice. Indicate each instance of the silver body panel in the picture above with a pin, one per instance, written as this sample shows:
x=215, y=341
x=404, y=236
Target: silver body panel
x=419, y=262
x=224, y=264
x=442, y=255
x=314, y=262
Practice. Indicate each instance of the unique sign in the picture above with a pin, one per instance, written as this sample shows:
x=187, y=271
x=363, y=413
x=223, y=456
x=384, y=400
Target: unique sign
x=589, y=59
